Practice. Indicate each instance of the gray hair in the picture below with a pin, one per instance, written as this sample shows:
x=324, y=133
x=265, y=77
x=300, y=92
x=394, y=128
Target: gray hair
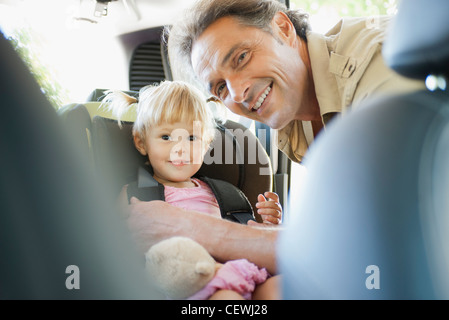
x=256, y=13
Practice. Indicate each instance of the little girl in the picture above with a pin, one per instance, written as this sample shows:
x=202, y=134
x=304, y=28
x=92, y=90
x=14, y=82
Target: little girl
x=174, y=129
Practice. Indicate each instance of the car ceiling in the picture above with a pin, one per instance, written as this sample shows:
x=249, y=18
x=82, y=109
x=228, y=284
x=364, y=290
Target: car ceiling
x=123, y=16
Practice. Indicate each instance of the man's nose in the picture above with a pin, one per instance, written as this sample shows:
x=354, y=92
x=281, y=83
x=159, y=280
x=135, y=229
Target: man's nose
x=238, y=89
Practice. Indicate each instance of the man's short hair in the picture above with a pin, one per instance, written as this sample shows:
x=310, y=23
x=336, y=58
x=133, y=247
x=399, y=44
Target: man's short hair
x=256, y=13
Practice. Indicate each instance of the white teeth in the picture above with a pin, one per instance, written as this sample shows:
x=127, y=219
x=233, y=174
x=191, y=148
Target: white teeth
x=262, y=98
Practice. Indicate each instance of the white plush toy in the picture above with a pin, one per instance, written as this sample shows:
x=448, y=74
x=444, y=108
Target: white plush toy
x=183, y=269
x=180, y=266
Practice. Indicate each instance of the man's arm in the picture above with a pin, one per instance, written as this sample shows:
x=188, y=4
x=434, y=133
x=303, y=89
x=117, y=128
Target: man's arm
x=151, y=222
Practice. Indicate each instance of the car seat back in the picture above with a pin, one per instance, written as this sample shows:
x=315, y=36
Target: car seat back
x=56, y=224
x=373, y=222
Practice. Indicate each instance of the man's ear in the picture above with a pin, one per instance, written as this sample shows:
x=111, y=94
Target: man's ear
x=140, y=145
x=283, y=28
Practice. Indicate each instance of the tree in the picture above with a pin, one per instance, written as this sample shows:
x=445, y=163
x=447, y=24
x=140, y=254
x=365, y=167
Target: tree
x=348, y=7
x=27, y=46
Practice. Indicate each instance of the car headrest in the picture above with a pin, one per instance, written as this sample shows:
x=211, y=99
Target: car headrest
x=417, y=43
x=98, y=94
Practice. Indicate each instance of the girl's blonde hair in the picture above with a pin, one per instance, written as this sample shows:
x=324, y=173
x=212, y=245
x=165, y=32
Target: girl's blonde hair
x=167, y=102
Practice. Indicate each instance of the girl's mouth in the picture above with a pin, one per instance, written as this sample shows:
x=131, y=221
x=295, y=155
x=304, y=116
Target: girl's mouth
x=179, y=163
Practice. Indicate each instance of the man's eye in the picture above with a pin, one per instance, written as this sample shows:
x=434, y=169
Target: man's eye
x=242, y=57
x=221, y=90
x=166, y=137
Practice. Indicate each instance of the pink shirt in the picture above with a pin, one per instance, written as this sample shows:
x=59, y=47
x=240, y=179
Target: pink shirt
x=199, y=198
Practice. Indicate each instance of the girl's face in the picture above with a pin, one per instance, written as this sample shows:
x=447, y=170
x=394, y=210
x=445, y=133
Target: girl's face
x=175, y=151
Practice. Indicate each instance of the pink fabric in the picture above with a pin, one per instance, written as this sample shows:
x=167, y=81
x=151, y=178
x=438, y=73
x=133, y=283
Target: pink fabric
x=199, y=198
x=239, y=275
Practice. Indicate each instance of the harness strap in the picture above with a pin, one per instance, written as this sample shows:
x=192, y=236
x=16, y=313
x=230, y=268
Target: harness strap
x=146, y=188
x=233, y=203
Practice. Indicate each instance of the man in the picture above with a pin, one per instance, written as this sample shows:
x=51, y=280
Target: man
x=263, y=62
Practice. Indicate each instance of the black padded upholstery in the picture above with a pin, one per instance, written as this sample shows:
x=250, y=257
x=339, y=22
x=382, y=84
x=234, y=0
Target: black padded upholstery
x=249, y=168
x=115, y=158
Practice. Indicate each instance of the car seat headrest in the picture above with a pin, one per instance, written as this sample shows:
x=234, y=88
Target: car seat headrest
x=98, y=94
x=417, y=43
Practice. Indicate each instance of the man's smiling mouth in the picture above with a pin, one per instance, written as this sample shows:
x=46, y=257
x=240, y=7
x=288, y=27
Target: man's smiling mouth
x=261, y=98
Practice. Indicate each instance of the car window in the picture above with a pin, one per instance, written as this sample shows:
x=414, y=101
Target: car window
x=72, y=48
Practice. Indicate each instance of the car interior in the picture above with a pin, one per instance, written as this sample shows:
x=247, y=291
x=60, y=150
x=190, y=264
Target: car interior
x=381, y=202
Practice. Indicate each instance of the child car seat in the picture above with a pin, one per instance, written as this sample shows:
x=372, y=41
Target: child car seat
x=236, y=155
x=372, y=221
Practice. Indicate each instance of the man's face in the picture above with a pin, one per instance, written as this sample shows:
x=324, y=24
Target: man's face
x=256, y=74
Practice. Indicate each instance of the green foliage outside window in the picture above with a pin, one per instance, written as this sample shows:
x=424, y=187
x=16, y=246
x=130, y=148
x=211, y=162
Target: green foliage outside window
x=28, y=47
x=354, y=8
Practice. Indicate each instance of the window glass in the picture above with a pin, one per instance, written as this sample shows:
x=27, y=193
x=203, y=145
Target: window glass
x=324, y=14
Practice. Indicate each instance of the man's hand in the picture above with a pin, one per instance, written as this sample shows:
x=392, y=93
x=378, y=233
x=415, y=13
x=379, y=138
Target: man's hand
x=152, y=221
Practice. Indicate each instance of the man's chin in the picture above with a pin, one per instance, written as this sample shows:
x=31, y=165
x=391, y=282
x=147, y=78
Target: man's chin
x=277, y=124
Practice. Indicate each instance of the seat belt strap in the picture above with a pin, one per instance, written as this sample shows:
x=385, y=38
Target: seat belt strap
x=233, y=203
x=146, y=188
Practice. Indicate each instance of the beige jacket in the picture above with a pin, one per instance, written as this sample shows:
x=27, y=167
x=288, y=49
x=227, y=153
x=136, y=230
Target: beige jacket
x=347, y=67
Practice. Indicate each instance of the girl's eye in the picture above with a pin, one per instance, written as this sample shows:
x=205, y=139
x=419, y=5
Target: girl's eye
x=192, y=138
x=166, y=137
